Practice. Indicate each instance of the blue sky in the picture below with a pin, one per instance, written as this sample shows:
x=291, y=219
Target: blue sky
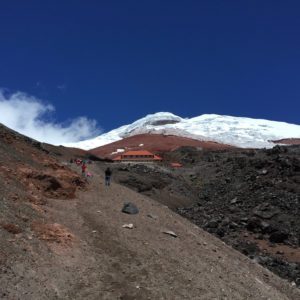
x=117, y=61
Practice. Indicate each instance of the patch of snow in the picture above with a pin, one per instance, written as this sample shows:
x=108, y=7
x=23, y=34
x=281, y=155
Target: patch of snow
x=141, y=145
x=118, y=151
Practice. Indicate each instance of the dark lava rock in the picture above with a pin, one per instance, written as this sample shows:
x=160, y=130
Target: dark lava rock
x=225, y=222
x=254, y=225
x=265, y=211
x=130, y=208
x=266, y=228
x=212, y=224
x=220, y=232
x=247, y=248
x=278, y=237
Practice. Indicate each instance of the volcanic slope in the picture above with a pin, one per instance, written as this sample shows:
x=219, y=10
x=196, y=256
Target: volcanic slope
x=155, y=143
x=62, y=238
x=248, y=198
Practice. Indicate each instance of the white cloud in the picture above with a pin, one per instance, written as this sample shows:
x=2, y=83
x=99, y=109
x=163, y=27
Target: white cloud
x=30, y=116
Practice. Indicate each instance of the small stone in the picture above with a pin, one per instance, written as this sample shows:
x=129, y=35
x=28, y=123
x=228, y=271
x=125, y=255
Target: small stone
x=260, y=237
x=264, y=172
x=130, y=226
x=233, y=201
x=152, y=216
x=212, y=224
x=171, y=233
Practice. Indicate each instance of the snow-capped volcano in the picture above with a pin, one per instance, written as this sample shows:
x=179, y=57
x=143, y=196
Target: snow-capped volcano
x=237, y=131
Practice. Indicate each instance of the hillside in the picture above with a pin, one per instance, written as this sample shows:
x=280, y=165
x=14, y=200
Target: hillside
x=62, y=238
x=155, y=143
x=248, y=198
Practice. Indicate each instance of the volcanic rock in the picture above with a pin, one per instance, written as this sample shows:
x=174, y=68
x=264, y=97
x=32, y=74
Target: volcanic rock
x=130, y=208
x=278, y=237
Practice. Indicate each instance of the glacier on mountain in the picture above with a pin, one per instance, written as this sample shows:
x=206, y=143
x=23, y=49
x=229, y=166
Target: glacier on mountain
x=237, y=131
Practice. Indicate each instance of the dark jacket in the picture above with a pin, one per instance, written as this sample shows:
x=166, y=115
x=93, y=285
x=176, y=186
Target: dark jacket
x=108, y=172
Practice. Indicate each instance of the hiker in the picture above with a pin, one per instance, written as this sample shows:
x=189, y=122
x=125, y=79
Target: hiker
x=83, y=167
x=88, y=174
x=107, y=176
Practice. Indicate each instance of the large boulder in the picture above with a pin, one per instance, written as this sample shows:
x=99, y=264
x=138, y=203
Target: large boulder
x=130, y=208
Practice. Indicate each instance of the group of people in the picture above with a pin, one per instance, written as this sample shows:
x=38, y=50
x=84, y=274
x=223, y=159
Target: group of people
x=79, y=162
x=82, y=163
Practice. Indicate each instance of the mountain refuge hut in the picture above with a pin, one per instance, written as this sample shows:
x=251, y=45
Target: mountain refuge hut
x=138, y=156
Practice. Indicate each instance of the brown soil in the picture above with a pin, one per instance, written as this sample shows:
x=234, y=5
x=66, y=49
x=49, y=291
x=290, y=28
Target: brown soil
x=155, y=143
x=11, y=228
x=56, y=236
x=288, y=141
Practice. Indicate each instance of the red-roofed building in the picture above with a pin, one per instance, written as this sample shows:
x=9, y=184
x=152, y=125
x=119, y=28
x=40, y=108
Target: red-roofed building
x=135, y=156
x=176, y=165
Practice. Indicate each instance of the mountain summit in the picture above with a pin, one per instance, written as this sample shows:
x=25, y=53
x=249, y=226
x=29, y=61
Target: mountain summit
x=236, y=131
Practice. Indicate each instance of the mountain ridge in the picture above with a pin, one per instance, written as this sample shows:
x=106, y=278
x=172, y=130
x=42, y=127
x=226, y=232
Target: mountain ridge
x=235, y=131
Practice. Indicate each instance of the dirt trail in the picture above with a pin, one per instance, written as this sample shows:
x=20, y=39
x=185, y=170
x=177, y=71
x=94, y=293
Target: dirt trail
x=110, y=262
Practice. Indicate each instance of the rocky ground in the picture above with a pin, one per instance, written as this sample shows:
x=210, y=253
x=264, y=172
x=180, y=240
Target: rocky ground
x=248, y=198
x=64, y=236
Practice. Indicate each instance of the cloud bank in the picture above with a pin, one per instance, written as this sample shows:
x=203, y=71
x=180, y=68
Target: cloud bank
x=30, y=116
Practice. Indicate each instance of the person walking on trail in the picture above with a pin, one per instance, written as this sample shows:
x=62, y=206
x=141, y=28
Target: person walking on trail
x=107, y=176
x=83, y=167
